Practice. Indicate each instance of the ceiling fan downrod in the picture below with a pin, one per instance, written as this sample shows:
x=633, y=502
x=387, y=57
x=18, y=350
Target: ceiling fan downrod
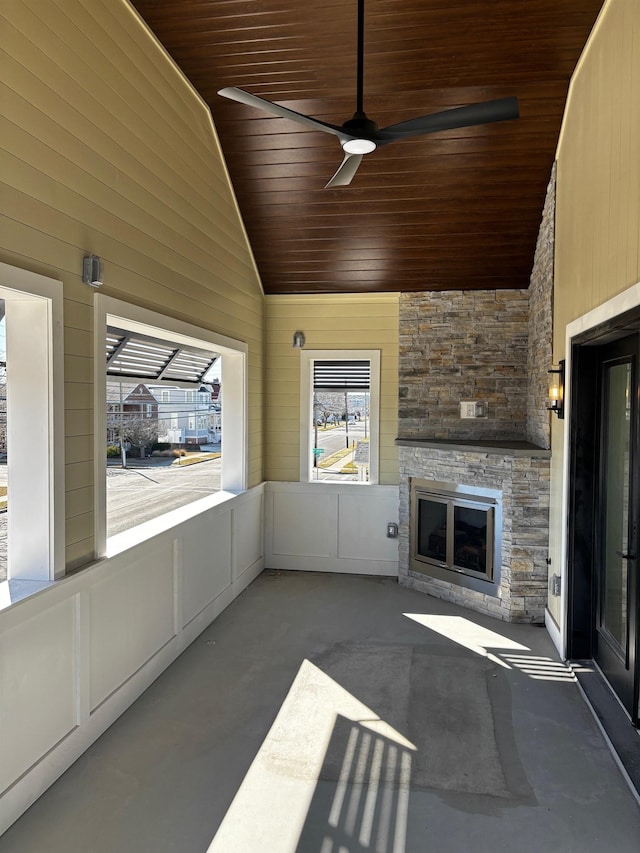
x=360, y=62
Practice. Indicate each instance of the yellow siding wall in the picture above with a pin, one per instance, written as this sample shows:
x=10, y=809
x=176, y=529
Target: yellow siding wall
x=328, y=322
x=106, y=149
x=598, y=195
x=598, y=191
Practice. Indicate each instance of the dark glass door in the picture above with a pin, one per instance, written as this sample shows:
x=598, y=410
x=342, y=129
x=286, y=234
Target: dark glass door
x=616, y=519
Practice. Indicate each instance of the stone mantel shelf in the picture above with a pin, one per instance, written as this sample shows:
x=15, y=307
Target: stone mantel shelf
x=501, y=448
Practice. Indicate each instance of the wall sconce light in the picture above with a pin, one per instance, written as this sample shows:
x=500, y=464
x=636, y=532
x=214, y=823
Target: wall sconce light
x=556, y=390
x=92, y=270
x=298, y=340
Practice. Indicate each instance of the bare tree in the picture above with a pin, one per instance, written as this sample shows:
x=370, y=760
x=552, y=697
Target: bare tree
x=133, y=428
x=139, y=431
x=327, y=405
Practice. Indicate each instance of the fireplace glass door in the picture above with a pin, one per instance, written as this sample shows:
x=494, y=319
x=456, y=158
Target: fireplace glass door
x=470, y=529
x=455, y=534
x=432, y=529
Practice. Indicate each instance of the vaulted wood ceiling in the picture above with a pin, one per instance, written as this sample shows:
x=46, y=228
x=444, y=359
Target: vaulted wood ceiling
x=455, y=210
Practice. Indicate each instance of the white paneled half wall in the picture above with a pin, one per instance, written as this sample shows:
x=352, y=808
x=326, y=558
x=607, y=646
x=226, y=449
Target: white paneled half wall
x=78, y=653
x=329, y=527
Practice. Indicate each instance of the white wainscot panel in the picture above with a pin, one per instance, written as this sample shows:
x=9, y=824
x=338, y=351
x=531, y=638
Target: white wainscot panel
x=304, y=523
x=37, y=688
x=247, y=534
x=131, y=615
x=206, y=562
x=362, y=525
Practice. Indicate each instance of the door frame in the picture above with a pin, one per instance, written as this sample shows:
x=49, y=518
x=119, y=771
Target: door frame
x=582, y=487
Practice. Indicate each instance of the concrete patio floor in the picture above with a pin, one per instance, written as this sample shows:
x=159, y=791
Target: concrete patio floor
x=339, y=714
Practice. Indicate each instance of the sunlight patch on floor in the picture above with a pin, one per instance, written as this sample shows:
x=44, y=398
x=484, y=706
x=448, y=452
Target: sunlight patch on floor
x=541, y=668
x=367, y=800
x=466, y=633
x=480, y=640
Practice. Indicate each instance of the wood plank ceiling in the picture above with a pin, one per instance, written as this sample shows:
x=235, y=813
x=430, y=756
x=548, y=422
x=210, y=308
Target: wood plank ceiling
x=455, y=210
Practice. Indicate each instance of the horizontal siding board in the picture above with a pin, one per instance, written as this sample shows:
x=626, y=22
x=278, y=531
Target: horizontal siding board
x=288, y=404
x=78, y=448
x=79, y=501
x=78, y=315
x=78, y=422
x=78, y=395
x=78, y=342
x=78, y=369
x=281, y=326
x=78, y=475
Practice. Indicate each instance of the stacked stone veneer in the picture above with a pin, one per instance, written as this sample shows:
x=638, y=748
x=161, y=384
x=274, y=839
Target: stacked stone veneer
x=524, y=483
x=541, y=324
x=463, y=345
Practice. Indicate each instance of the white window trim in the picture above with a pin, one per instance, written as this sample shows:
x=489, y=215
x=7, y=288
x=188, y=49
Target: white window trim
x=307, y=358
x=38, y=356
x=111, y=311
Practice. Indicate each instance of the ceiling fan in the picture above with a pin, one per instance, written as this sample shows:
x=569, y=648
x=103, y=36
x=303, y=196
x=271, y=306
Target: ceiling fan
x=360, y=135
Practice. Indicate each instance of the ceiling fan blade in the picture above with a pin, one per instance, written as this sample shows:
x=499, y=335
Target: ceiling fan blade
x=235, y=94
x=486, y=112
x=346, y=171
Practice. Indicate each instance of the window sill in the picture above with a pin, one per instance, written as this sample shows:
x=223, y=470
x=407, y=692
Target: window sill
x=16, y=590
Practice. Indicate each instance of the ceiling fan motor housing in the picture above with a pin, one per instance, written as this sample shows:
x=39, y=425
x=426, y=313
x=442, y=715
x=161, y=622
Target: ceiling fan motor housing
x=361, y=126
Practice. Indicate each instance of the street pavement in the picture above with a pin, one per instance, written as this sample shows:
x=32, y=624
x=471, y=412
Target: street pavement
x=138, y=494
x=332, y=440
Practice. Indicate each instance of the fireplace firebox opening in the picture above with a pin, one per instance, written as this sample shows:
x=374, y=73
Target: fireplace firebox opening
x=455, y=534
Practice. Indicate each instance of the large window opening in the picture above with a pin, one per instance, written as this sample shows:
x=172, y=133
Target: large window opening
x=163, y=421
x=340, y=416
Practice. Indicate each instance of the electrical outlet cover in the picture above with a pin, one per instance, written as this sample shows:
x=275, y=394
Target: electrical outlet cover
x=468, y=409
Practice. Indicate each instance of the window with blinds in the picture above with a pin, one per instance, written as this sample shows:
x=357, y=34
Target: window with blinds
x=341, y=420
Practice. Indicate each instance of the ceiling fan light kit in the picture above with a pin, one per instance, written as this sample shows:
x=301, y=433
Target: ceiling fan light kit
x=360, y=135
x=359, y=146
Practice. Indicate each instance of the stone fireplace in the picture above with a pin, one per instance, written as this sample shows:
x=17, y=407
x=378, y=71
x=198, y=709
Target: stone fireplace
x=516, y=476
x=491, y=348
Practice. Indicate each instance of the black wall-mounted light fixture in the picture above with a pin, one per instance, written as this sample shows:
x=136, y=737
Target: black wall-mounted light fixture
x=556, y=390
x=298, y=340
